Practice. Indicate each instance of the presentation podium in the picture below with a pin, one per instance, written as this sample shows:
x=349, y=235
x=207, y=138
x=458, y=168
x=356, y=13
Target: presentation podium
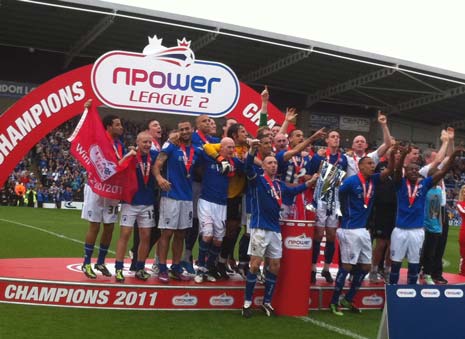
x=292, y=293
x=424, y=311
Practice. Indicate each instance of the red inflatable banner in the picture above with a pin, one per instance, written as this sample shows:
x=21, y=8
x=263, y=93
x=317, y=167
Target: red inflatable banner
x=247, y=110
x=48, y=106
x=35, y=115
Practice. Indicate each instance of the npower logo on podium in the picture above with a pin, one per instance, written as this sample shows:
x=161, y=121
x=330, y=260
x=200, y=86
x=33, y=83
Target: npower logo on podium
x=222, y=300
x=301, y=242
x=185, y=300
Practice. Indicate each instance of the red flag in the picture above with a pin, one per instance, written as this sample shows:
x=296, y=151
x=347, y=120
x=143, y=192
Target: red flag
x=91, y=147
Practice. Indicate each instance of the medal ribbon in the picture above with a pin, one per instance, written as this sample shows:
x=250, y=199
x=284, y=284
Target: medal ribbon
x=156, y=144
x=187, y=161
x=273, y=190
x=233, y=169
x=411, y=196
x=117, y=147
x=328, y=154
x=144, y=168
x=357, y=160
x=202, y=137
x=366, y=195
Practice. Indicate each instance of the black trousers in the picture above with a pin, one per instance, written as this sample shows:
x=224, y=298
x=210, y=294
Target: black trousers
x=442, y=245
x=431, y=259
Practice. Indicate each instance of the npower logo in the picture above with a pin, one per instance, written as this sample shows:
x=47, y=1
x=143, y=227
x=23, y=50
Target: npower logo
x=222, y=300
x=372, y=300
x=185, y=300
x=453, y=293
x=430, y=293
x=258, y=300
x=165, y=80
x=301, y=242
x=406, y=293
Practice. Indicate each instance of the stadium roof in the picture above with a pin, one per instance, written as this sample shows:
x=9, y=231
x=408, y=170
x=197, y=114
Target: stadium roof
x=40, y=40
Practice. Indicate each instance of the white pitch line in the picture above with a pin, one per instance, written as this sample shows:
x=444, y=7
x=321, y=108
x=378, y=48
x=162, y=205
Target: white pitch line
x=58, y=235
x=332, y=328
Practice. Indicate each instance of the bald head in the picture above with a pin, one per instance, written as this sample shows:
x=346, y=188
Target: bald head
x=227, y=147
x=144, y=142
x=142, y=135
x=280, y=142
x=359, y=144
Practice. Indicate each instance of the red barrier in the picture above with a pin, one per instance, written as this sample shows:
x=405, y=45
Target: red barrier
x=293, y=287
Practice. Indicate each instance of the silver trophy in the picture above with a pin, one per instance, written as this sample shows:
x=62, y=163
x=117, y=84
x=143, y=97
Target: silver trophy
x=327, y=188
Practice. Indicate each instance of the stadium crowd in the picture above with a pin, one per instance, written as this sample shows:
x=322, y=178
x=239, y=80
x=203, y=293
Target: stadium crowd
x=49, y=173
x=200, y=186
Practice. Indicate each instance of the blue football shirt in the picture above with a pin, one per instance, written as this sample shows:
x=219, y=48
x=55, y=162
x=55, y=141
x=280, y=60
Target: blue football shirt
x=414, y=216
x=176, y=173
x=354, y=214
x=215, y=185
x=265, y=206
x=145, y=194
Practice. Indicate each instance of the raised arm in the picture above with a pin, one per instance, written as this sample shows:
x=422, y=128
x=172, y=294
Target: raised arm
x=164, y=184
x=291, y=115
x=442, y=151
x=391, y=164
x=451, y=145
x=443, y=171
x=399, y=166
x=304, y=144
x=249, y=162
x=264, y=110
x=382, y=120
